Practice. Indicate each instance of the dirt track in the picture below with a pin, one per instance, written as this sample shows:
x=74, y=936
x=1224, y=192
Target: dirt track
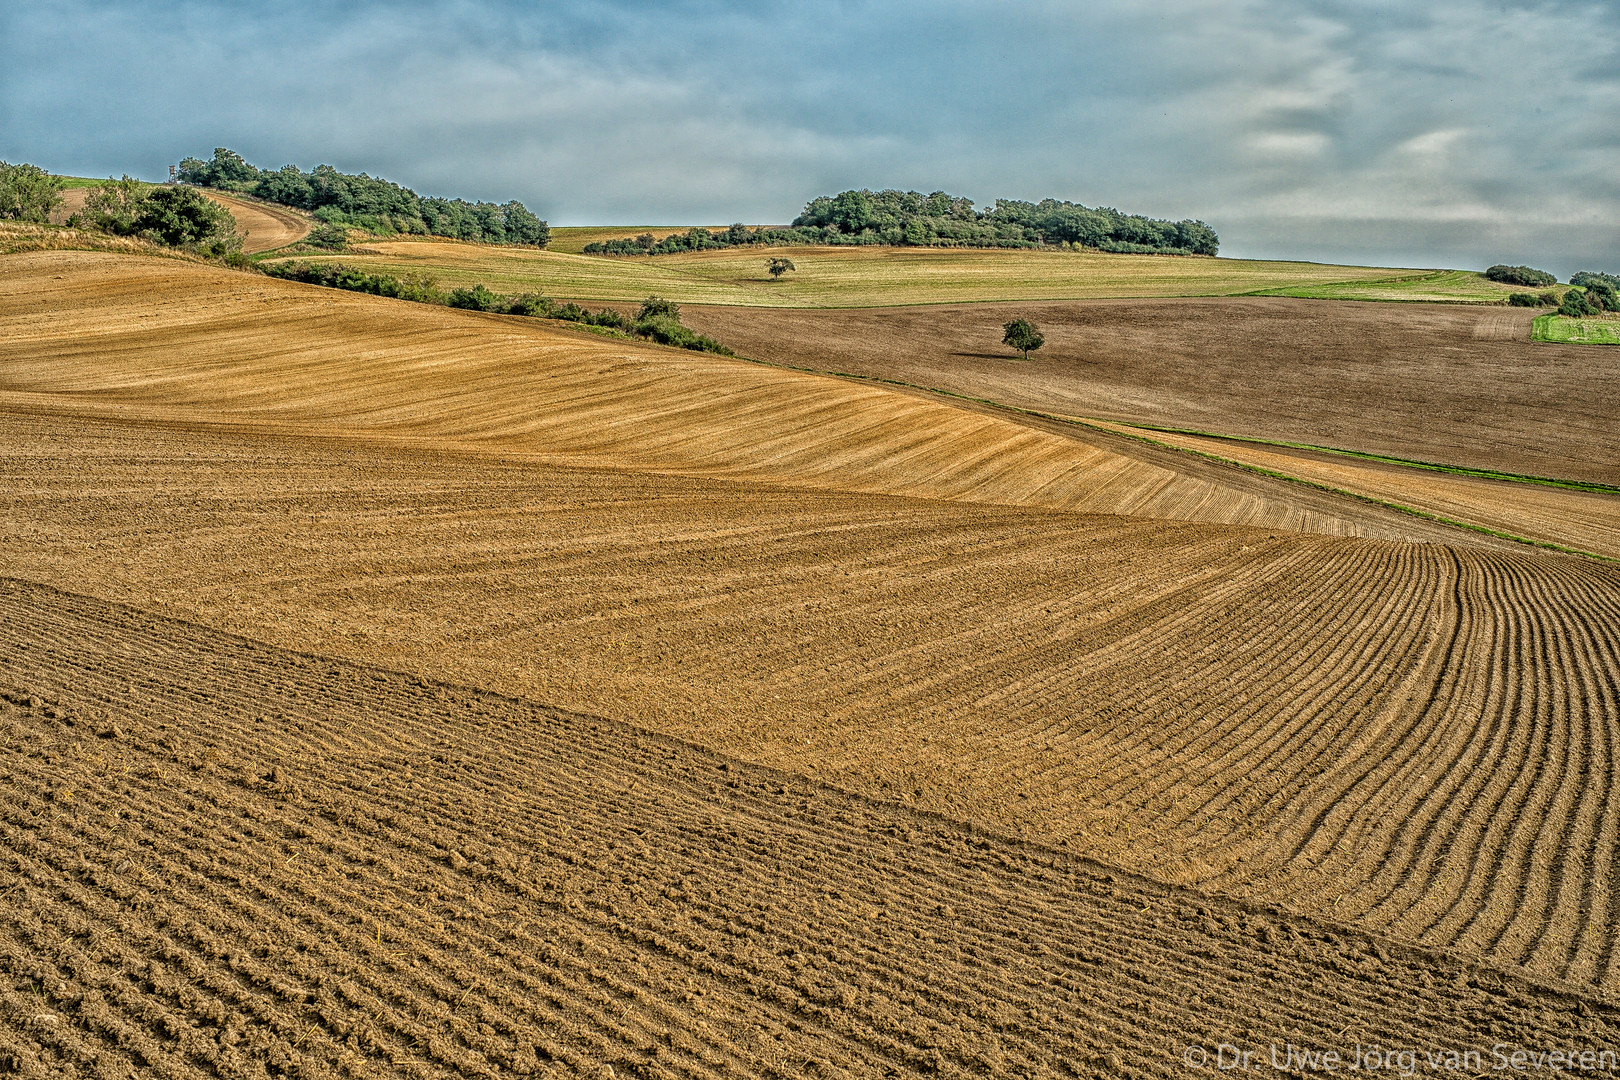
x=226, y=859
x=1452, y=384
x=265, y=225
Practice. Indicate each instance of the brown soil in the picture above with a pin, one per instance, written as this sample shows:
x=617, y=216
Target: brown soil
x=1584, y=520
x=107, y=335
x=1376, y=732
x=1452, y=384
x=816, y=578
x=227, y=859
x=266, y=226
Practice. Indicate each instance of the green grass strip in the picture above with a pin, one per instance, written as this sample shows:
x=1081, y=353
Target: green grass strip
x=1273, y=474
x=1411, y=463
x=1563, y=330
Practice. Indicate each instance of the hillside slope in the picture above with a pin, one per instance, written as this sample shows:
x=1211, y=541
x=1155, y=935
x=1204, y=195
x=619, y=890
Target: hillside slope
x=225, y=859
x=107, y=335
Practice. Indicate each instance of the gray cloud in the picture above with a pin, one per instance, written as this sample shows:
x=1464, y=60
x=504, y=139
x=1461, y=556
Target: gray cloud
x=1460, y=132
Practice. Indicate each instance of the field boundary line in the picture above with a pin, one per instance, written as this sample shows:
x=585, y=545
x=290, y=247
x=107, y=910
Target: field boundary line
x=1099, y=426
x=1411, y=463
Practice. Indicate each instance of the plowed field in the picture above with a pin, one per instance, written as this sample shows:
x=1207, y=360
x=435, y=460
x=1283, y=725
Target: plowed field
x=108, y=335
x=910, y=763
x=1450, y=384
x=225, y=859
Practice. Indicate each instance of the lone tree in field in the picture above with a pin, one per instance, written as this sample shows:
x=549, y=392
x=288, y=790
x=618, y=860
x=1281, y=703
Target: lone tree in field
x=1023, y=335
x=779, y=266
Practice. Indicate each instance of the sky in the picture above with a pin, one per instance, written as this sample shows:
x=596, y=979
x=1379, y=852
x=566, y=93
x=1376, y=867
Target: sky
x=1448, y=133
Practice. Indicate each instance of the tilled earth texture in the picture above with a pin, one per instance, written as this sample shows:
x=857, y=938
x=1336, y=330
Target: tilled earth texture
x=221, y=858
x=1458, y=384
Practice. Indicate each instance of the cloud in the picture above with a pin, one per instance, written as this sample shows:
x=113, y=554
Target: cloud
x=1461, y=131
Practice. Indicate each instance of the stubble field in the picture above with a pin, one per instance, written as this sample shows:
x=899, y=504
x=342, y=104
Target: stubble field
x=933, y=741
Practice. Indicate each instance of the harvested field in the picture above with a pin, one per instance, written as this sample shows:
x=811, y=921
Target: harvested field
x=845, y=277
x=1210, y=705
x=102, y=335
x=1457, y=385
x=222, y=858
x=266, y=226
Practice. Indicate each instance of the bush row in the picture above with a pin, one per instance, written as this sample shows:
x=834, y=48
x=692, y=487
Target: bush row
x=658, y=320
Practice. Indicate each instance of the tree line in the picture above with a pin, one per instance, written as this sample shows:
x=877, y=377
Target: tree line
x=1590, y=293
x=911, y=219
x=361, y=201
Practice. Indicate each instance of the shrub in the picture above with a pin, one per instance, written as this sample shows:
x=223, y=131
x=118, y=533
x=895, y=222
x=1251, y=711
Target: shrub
x=476, y=298
x=328, y=237
x=1600, y=289
x=609, y=318
x=1576, y=305
x=1524, y=299
x=415, y=287
x=1548, y=299
x=656, y=307
x=532, y=305
x=167, y=214
x=779, y=266
x=28, y=193
x=1520, y=275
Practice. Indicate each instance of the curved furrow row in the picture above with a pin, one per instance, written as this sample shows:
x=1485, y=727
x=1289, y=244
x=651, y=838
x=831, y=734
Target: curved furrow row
x=435, y=881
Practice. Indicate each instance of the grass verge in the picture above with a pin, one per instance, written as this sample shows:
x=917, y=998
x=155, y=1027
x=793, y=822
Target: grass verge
x=1435, y=286
x=1564, y=330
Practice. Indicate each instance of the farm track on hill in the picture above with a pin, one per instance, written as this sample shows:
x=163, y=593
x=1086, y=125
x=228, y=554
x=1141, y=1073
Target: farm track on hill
x=225, y=858
x=1413, y=737
x=265, y=226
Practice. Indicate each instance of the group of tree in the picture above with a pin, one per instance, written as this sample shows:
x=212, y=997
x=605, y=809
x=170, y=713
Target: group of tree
x=1590, y=293
x=361, y=201
x=28, y=193
x=657, y=320
x=911, y=219
x=1520, y=275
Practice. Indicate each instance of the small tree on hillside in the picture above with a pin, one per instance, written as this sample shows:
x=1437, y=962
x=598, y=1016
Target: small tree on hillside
x=1023, y=335
x=779, y=266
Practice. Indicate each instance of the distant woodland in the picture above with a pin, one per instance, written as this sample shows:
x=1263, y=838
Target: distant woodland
x=910, y=218
x=366, y=202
